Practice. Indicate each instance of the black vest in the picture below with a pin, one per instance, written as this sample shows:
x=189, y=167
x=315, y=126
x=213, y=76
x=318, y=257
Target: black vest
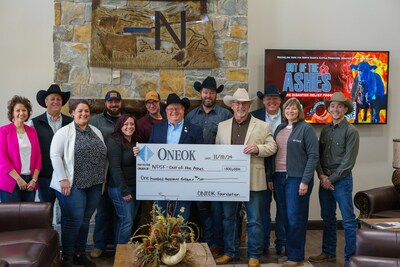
x=45, y=134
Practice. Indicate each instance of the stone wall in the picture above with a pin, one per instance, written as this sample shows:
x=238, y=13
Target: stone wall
x=72, y=35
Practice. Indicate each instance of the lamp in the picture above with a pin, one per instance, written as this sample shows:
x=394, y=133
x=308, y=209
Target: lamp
x=396, y=164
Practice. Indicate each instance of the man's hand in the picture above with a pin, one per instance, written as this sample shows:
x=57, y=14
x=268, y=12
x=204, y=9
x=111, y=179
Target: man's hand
x=325, y=183
x=251, y=149
x=270, y=186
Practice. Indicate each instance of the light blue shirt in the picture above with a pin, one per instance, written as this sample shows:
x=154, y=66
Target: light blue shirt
x=274, y=120
x=174, y=132
x=55, y=125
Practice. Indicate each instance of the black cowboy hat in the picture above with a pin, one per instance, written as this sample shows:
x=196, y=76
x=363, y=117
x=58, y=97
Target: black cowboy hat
x=174, y=99
x=209, y=83
x=271, y=90
x=53, y=89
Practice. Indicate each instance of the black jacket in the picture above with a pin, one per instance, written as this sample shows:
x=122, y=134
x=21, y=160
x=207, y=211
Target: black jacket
x=45, y=134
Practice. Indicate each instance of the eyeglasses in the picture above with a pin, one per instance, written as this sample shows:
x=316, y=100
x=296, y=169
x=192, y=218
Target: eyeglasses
x=152, y=103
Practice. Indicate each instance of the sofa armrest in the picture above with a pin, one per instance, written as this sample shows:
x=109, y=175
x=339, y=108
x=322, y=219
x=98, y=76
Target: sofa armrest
x=378, y=243
x=25, y=215
x=377, y=199
x=366, y=261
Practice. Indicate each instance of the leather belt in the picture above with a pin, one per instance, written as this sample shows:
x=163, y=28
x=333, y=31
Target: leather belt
x=329, y=172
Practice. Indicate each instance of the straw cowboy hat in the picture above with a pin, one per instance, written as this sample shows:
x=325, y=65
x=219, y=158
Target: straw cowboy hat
x=208, y=83
x=271, y=90
x=339, y=97
x=53, y=89
x=241, y=94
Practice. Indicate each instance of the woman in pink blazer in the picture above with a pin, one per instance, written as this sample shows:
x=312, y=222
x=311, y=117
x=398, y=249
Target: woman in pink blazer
x=20, y=157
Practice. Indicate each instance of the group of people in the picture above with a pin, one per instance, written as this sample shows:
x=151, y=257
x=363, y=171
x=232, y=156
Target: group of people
x=89, y=163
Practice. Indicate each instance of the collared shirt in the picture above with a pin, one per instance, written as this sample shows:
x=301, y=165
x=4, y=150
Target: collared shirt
x=55, y=125
x=174, y=132
x=239, y=131
x=338, y=147
x=208, y=121
x=273, y=120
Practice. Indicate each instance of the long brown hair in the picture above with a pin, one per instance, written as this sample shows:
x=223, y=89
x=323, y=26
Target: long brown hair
x=117, y=133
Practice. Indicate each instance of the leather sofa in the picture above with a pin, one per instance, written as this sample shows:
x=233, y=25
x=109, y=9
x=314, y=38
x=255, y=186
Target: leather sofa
x=381, y=202
x=376, y=248
x=27, y=237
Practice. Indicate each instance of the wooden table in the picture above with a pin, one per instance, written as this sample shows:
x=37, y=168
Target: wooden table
x=125, y=255
x=368, y=223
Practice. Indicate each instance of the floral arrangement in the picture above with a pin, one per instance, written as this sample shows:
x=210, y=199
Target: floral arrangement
x=165, y=241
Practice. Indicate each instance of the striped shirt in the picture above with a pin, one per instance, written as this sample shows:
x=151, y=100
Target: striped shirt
x=282, y=140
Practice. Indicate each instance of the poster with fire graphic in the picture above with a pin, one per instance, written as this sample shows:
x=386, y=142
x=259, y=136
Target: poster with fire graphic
x=313, y=76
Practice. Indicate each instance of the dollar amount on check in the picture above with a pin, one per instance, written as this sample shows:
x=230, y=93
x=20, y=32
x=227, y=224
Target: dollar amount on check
x=192, y=172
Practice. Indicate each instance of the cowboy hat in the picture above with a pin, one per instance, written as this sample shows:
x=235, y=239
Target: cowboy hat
x=339, y=97
x=53, y=89
x=271, y=90
x=209, y=83
x=174, y=99
x=240, y=95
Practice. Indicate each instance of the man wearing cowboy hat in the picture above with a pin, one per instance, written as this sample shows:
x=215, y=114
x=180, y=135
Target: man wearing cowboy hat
x=46, y=126
x=256, y=136
x=176, y=130
x=207, y=116
x=271, y=113
x=338, y=145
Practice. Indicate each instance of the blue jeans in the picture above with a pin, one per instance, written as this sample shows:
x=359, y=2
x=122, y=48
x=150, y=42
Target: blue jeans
x=18, y=195
x=125, y=212
x=280, y=218
x=211, y=216
x=103, y=233
x=280, y=235
x=174, y=207
x=255, y=230
x=293, y=211
x=343, y=195
x=266, y=217
x=76, y=211
x=46, y=193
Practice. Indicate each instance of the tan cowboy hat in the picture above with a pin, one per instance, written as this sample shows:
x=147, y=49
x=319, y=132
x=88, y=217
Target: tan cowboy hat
x=339, y=97
x=241, y=94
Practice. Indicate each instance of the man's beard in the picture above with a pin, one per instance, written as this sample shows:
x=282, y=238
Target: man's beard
x=114, y=113
x=208, y=104
x=241, y=113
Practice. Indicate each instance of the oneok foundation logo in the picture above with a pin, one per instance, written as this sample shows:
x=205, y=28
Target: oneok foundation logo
x=145, y=154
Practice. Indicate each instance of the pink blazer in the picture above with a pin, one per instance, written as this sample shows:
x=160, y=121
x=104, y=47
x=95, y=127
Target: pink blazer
x=10, y=158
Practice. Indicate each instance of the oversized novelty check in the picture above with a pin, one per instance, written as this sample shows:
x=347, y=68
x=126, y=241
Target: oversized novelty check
x=192, y=172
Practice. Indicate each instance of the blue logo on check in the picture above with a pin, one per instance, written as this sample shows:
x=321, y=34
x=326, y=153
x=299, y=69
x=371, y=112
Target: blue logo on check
x=145, y=153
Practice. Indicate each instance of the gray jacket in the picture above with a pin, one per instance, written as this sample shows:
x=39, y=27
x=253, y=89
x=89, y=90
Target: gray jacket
x=302, y=151
x=104, y=124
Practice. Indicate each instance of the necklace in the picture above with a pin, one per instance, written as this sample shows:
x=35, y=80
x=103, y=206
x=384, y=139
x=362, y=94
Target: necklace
x=21, y=133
